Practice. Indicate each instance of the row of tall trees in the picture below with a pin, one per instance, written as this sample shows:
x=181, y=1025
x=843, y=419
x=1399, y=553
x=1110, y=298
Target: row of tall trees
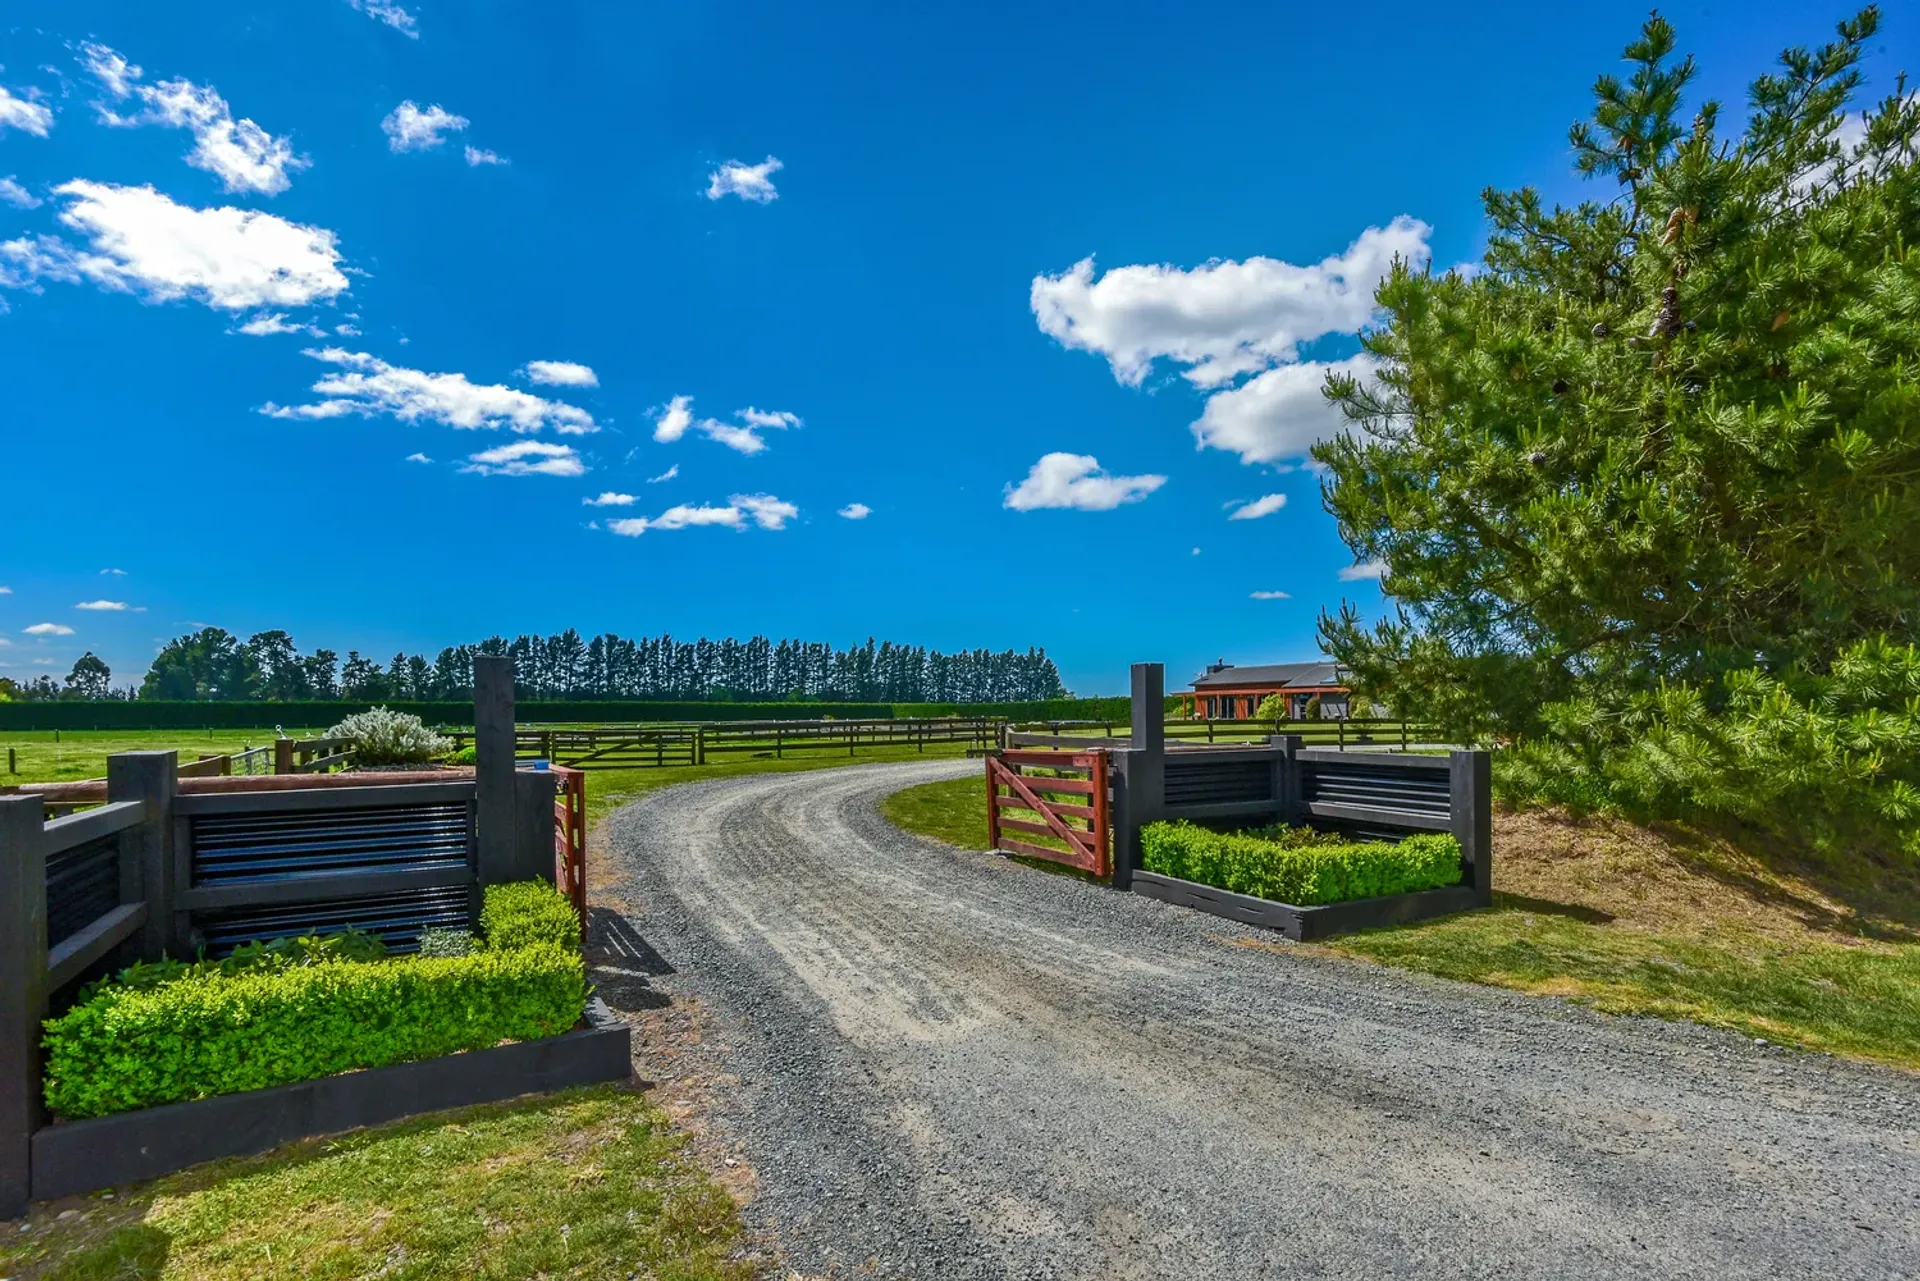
x=212, y=663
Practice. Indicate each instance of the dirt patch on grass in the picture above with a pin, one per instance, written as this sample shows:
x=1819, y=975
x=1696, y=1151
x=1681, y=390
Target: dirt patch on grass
x=1673, y=879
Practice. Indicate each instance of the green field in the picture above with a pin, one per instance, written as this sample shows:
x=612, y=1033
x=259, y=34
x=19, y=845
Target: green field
x=1633, y=921
x=62, y=756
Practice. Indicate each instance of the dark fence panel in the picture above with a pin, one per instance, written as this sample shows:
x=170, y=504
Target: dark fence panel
x=83, y=884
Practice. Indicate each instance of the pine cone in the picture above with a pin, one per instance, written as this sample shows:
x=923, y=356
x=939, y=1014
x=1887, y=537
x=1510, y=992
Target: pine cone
x=1667, y=322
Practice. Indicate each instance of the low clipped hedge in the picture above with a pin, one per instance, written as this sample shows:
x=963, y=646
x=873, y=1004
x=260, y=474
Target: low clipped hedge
x=139, y=1044
x=1299, y=866
x=528, y=913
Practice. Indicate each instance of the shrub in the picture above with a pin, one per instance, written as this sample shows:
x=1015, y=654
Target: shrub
x=279, y=954
x=467, y=755
x=1298, y=866
x=447, y=943
x=128, y=1047
x=382, y=737
x=527, y=913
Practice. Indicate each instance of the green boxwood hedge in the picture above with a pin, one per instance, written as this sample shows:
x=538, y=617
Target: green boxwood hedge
x=304, y=1013
x=1298, y=866
x=527, y=913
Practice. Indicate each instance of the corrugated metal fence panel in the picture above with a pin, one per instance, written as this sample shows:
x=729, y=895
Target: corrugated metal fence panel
x=1422, y=792
x=83, y=884
x=314, y=845
x=233, y=849
x=396, y=918
x=1198, y=781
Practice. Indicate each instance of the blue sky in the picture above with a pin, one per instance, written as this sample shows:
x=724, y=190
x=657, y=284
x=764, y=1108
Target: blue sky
x=745, y=268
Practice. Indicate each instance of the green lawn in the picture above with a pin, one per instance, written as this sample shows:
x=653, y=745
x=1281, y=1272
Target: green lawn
x=608, y=790
x=62, y=756
x=589, y=1184
x=1719, y=950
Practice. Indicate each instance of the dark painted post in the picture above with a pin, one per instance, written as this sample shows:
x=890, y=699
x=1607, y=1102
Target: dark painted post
x=533, y=847
x=1287, y=804
x=146, y=852
x=1145, y=770
x=1470, y=779
x=493, y=765
x=23, y=991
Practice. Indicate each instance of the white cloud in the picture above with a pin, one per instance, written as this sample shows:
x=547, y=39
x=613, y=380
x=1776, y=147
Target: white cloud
x=240, y=153
x=764, y=510
x=856, y=511
x=369, y=386
x=6, y=591
x=673, y=421
x=527, y=458
x=16, y=195
x=609, y=499
x=1266, y=505
x=418, y=458
x=391, y=14
x=408, y=128
x=560, y=373
x=48, y=629
x=104, y=606
x=749, y=182
x=477, y=156
x=118, y=573
x=767, y=511
x=1366, y=570
x=668, y=474
x=1279, y=414
x=143, y=243
x=1225, y=318
x=110, y=69
x=26, y=115
x=766, y=417
x=1076, y=481
x=275, y=322
x=347, y=331
x=1270, y=596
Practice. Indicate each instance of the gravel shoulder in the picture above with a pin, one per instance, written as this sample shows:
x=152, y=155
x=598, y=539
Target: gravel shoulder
x=934, y=1063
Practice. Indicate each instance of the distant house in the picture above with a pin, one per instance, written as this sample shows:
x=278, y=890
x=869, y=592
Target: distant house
x=1232, y=693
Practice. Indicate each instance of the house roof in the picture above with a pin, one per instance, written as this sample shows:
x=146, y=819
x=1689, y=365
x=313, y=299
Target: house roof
x=1273, y=675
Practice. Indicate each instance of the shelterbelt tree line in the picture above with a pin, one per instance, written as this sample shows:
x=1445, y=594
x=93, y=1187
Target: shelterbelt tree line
x=1647, y=487
x=214, y=664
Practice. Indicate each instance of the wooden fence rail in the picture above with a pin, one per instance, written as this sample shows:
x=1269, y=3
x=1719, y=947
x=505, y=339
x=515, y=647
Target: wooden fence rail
x=658, y=746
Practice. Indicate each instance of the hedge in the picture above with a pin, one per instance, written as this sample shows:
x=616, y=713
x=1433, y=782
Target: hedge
x=1298, y=866
x=526, y=914
x=295, y=1013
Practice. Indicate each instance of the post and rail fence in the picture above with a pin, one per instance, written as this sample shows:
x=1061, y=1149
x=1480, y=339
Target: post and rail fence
x=701, y=743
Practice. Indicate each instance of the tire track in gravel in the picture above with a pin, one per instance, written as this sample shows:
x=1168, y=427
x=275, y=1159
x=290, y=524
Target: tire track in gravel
x=941, y=1064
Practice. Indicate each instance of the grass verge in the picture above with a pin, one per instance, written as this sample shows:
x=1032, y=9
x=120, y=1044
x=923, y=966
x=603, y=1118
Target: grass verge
x=587, y=1183
x=1632, y=920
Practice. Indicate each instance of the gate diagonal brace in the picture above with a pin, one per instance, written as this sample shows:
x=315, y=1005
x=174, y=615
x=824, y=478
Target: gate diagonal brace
x=1071, y=835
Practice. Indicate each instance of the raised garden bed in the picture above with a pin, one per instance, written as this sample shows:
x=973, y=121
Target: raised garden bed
x=82, y=1156
x=1305, y=924
x=1342, y=885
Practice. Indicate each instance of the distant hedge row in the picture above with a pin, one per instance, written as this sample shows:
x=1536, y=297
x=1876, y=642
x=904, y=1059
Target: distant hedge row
x=144, y=714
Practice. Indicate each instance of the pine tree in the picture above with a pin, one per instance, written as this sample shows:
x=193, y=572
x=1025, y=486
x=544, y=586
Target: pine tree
x=1665, y=441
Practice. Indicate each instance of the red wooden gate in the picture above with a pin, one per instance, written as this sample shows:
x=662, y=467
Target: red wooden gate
x=570, y=838
x=1037, y=781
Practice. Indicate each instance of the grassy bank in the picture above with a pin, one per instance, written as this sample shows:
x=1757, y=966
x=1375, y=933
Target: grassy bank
x=589, y=1183
x=1633, y=920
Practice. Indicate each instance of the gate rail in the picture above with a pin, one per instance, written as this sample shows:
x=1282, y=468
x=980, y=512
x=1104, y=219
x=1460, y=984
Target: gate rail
x=570, y=837
x=1079, y=776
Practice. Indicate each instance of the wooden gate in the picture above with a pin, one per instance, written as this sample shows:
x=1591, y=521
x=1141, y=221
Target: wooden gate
x=570, y=838
x=1067, y=790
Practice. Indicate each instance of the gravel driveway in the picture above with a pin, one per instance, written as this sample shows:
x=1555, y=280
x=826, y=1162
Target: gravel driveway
x=940, y=1064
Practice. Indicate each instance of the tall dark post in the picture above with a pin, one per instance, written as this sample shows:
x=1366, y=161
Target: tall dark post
x=146, y=851
x=1288, y=805
x=493, y=764
x=23, y=992
x=1140, y=790
x=1470, y=779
